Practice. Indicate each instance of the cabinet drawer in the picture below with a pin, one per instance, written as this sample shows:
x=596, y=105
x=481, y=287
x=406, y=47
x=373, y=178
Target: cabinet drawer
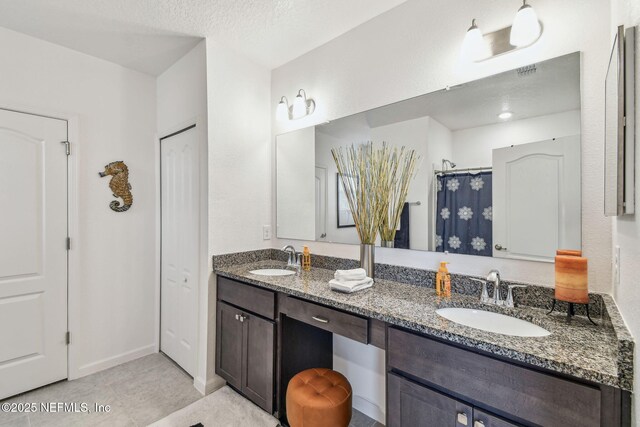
x=250, y=298
x=329, y=319
x=410, y=404
x=524, y=394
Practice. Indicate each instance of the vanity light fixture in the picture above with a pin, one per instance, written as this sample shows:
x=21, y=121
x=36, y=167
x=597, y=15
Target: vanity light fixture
x=526, y=28
x=505, y=115
x=524, y=32
x=283, y=111
x=474, y=47
x=301, y=107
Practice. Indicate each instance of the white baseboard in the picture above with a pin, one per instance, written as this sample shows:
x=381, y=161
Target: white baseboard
x=368, y=408
x=212, y=385
x=110, y=362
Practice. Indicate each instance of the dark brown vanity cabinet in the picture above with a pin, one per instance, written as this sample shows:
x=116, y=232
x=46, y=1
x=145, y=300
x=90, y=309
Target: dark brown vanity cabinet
x=428, y=381
x=411, y=404
x=245, y=342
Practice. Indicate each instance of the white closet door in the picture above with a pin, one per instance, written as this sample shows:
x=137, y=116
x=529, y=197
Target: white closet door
x=180, y=244
x=536, y=199
x=33, y=254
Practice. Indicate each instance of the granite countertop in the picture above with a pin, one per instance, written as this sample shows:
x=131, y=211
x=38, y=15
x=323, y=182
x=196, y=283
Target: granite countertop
x=602, y=354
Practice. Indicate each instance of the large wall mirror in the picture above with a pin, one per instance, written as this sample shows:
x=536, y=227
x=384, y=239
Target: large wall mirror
x=499, y=173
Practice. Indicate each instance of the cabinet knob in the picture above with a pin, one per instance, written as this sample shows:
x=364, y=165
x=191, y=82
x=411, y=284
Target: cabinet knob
x=462, y=418
x=478, y=423
x=242, y=318
x=237, y=317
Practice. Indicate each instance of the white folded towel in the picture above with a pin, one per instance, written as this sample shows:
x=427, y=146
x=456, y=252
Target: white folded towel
x=351, y=285
x=355, y=274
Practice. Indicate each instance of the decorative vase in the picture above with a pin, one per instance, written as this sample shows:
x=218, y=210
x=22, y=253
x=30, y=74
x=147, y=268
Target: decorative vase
x=387, y=243
x=367, y=261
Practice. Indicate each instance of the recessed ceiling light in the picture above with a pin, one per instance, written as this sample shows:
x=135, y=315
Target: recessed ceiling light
x=505, y=115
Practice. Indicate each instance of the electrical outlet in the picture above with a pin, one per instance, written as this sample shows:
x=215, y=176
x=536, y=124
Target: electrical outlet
x=616, y=266
x=266, y=232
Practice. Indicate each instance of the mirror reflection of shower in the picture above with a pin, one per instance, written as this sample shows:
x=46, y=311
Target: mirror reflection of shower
x=447, y=164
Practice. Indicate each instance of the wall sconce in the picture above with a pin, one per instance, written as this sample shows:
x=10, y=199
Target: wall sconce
x=301, y=107
x=524, y=32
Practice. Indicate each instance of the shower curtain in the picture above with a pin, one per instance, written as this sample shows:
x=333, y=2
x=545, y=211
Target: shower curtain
x=464, y=213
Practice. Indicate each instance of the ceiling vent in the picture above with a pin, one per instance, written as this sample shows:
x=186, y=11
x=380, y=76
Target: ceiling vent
x=526, y=71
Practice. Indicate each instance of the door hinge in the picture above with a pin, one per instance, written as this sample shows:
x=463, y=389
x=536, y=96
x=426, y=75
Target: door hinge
x=67, y=147
x=68, y=243
x=67, y=338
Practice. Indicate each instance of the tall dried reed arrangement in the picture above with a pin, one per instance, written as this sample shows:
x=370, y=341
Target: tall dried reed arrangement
x=395, y=178
x=376, y=183
x=359, y=168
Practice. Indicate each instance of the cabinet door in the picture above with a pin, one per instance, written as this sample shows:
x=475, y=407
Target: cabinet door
x=483, y=419
x=229, y=344
x=258, y=360
x=410, y=404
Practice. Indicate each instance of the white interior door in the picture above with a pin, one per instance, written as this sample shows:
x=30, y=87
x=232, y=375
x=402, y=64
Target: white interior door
x=321, y=203
x=33, y=252
x=180, y=242
x=536, y=199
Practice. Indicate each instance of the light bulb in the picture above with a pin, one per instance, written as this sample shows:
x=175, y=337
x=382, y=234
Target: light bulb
x=505, y=115
x=282, y=112
x=474, y=47
x=299, y=106
x=526, y=27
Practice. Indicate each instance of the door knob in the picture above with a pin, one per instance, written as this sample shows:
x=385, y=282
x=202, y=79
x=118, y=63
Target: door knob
x=499, y=248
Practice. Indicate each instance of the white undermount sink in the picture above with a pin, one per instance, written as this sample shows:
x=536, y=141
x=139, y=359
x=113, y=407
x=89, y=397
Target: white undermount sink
x=273, y=272
x=492, y=322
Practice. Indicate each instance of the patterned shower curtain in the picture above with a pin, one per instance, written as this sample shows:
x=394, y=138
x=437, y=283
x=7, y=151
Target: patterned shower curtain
x=464, y=213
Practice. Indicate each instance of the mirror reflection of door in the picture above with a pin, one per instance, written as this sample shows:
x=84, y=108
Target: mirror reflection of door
x=321, y=202
x=536, y=199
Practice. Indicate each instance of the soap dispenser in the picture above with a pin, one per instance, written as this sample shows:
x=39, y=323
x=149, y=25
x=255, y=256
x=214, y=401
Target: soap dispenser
x=443, y=281
x=306, y=259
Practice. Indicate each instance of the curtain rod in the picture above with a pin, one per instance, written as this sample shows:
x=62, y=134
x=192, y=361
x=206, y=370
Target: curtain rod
x=487, y=168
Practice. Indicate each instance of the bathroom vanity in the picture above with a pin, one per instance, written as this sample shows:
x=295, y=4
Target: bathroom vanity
x=438, y=372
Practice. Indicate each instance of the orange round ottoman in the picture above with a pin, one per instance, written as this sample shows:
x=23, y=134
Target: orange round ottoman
x=319, y=397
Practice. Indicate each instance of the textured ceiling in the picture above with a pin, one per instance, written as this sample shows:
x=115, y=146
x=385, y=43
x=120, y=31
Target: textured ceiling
x=149, y=35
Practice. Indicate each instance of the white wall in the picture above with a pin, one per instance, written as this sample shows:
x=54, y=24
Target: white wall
x=370, y=66
x=112, y=293
x=473, y=147
x=239, y=168
x=414, y=49
x=181, y=102
x=626, y=229
x=239, y=151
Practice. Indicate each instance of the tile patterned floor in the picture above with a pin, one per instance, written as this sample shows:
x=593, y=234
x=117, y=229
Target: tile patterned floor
x=140, y=392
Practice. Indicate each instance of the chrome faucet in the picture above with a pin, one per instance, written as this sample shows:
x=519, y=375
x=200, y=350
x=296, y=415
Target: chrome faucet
x=494, y=276
x=292, y=255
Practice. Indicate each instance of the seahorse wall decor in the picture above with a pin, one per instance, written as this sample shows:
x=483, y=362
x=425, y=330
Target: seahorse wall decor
x=119, y=185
